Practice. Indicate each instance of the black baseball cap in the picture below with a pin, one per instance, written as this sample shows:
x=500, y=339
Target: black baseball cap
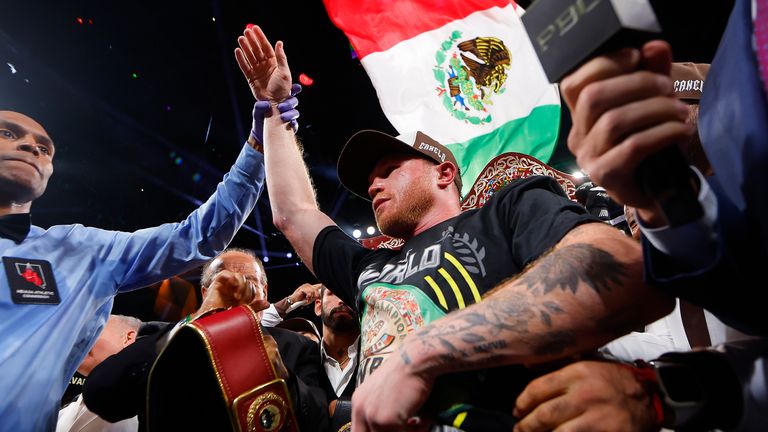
x=361, y=153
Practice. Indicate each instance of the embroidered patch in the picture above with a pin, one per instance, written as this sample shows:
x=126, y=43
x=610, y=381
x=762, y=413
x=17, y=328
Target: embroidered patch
x=31, y=281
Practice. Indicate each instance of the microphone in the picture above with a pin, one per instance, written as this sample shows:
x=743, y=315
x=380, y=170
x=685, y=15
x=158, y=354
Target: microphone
x=565, y=34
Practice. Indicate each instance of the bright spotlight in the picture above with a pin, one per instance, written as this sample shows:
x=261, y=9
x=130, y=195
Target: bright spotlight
x=357, y=233
x=370, y=230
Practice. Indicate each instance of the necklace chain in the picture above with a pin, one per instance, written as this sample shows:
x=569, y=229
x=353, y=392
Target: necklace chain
x=343, y=362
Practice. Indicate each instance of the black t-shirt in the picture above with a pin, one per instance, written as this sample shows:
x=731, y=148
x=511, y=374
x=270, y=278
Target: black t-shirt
x=447, y=267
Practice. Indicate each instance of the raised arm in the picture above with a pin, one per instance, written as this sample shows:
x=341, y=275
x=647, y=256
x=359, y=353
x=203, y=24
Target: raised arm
x=294, y=207
x=587, y=291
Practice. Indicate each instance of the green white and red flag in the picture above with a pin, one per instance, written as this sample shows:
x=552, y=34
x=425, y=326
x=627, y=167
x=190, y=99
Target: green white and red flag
x=462, y=71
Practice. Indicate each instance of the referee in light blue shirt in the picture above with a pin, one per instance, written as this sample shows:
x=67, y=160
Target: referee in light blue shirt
x=57, y=285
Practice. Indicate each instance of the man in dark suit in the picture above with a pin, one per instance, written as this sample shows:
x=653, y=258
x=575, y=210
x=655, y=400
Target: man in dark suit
x=339, y=352
x=117, y=388
x=340, y=344
x=623, y=111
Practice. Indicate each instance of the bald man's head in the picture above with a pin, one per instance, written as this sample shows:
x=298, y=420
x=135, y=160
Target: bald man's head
x=26, y=158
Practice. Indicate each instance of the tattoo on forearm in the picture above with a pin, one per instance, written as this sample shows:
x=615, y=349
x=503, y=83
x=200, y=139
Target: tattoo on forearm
x=488, y=327
x=565, y=268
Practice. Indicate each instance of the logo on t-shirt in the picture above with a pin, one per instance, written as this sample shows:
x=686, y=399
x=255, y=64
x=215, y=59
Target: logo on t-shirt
x=391, y=313
x=411, y=289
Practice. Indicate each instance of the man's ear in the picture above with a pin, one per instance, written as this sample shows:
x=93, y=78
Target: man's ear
x=130, y=337
x=319, y=306
x=446, y=173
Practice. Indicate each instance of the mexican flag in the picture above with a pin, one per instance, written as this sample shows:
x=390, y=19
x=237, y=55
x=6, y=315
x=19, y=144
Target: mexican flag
x=462, y=71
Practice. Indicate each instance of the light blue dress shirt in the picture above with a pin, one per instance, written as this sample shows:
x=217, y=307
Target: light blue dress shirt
x=41, y=346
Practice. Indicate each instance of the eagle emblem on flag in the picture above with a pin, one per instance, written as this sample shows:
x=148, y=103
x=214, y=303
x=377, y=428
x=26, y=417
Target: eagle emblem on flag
x=470, y=72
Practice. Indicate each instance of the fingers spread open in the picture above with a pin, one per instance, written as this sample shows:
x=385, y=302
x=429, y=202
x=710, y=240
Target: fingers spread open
x=257, y=37
x=245, y=67
x=248, y=51
x=282, y=59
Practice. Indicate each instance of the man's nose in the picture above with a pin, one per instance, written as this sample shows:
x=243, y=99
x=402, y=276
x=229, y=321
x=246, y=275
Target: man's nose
x=340, y=303
x=374, y=188
x=29, y=148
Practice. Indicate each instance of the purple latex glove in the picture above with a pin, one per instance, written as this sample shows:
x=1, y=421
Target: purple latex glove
x=288, y=113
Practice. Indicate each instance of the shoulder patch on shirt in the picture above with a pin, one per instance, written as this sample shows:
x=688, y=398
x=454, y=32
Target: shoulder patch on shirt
x=31, y=281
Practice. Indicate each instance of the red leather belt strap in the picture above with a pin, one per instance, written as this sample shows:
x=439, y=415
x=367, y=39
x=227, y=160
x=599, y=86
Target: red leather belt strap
x=234, y=345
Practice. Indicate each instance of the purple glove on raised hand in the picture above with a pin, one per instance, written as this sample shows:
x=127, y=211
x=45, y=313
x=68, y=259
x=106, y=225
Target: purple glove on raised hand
x=288, y=113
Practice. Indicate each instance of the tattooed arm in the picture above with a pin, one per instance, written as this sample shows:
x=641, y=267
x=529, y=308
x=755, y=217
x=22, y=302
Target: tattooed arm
x=585, y=292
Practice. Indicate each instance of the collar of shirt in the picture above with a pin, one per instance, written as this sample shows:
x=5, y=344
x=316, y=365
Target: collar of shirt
x=351, y=353
x=15, y=226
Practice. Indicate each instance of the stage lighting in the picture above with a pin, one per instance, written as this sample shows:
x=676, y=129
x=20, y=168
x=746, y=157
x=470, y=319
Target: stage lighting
x=305, y=80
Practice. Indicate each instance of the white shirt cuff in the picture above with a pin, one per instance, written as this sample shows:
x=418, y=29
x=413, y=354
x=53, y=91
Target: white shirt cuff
x=694, y=243
x=270, y=317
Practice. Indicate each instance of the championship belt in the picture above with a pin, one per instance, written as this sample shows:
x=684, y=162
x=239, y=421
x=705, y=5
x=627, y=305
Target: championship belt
x=215, y=374
x=341, y=420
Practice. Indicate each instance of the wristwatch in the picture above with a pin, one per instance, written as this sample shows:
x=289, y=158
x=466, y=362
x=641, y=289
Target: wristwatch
x=700, y=389
x=289, y=301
